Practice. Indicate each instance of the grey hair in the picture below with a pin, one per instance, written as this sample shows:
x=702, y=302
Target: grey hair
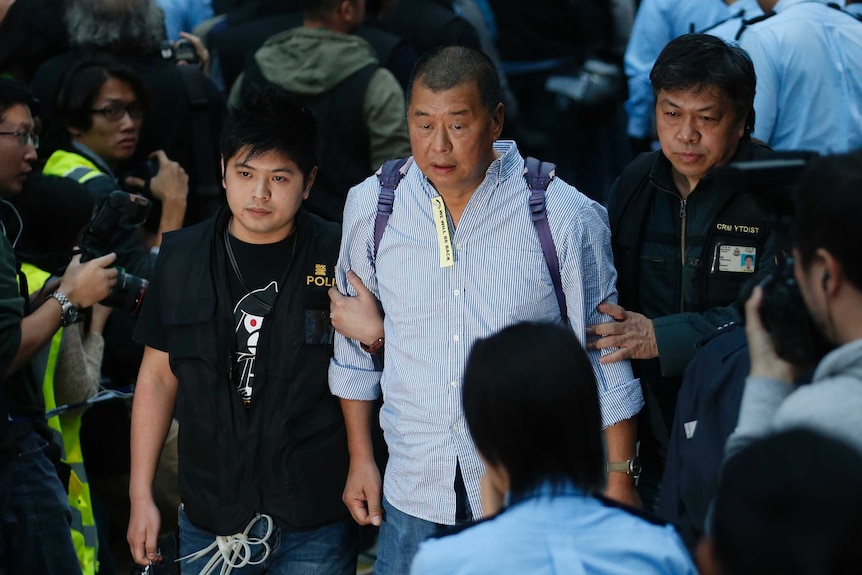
x=136, y=26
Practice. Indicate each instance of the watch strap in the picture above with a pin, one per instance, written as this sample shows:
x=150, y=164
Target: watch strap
x=374, y=347
x=629, y=466
x=69, y=313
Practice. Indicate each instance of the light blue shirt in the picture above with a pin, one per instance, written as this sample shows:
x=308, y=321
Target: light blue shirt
x=740, y=10
x=808, y=60
x=657, y=22
x=434, y=314
x=568, y=533
x=184, y=15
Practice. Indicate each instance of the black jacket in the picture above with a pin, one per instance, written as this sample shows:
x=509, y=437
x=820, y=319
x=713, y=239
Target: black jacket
x=285, y=455
x=685, y=299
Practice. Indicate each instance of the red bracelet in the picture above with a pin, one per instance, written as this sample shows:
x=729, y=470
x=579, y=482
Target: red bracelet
x=374, y=348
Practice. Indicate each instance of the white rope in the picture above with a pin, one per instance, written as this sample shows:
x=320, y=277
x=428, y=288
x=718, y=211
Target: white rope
x=233, y=551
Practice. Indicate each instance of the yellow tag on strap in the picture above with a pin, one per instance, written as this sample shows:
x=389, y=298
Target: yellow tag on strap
x=444, y=237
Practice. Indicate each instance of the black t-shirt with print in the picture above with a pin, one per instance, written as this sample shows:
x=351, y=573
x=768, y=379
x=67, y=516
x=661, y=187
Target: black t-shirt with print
x=262, y=268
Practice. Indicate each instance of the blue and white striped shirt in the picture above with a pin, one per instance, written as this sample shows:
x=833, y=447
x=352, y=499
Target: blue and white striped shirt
x=434, y=314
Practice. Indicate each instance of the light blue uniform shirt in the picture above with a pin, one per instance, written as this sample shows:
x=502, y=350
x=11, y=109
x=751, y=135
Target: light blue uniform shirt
x=184, y=15
x=740, y=10
x=434, y=314
x=808, y=60
x=657, y=22
x=568, y=533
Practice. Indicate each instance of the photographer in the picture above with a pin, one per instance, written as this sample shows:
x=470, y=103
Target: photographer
x=35, y=532
x=828, y=269
x=101, y=106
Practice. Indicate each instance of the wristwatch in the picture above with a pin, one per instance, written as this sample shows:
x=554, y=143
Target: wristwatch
x=69, y=311
x=375, y=347
x=629, y=466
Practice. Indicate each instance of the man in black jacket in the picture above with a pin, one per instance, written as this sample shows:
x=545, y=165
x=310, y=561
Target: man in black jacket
x=681, y=237
x=238, y=336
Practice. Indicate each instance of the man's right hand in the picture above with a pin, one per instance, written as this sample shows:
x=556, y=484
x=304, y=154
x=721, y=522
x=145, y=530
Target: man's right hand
x=362, y=493
x=143, y=532
x=765, y=362
x=171, y=184
x=88, y=283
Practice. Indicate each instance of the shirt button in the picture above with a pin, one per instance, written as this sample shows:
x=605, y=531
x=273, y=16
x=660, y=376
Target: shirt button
x=456, y=338
x=459, y=246
x=456, y=292
x=454, y=384
x=456, y=428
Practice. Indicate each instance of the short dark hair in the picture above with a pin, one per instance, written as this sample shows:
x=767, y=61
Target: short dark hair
x=266, y=119
x=14, y=92
x=828, y=204
x=789, y=504
x=702, y=61
x=321, y=9
x=531, y=404
x=81, y=85
x=446, y=67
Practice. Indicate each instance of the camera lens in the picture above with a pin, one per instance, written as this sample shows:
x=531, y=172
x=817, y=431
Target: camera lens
x=127, y=294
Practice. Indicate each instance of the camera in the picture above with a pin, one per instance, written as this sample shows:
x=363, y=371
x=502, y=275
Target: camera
x=782, y=311
x=119, y=207
x=179, y=51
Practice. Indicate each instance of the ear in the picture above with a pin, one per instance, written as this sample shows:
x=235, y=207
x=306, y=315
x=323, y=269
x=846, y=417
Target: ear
x=309, y=182
x=497, y=121
x=833, y=272
x=223, y=172
x=346, y=9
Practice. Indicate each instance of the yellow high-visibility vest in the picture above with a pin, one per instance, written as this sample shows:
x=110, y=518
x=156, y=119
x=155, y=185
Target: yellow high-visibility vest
x=66, y=429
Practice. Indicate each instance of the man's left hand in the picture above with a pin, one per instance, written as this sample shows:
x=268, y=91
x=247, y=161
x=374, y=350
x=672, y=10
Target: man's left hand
x=632, y=333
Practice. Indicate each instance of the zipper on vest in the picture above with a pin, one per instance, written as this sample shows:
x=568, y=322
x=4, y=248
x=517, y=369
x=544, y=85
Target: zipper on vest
x=682, y=217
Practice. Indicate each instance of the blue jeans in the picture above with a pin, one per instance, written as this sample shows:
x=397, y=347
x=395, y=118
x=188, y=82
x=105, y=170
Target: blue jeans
x=34, y=514
x=328, y=550
x=399, y=539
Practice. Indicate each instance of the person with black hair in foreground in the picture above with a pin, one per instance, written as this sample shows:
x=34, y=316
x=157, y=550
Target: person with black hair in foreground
x=537, y=428
x=788, y=504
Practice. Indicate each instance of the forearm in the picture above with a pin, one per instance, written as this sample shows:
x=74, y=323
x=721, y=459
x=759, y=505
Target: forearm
x=677, y=334
x=36, y=330
x=620, y=439
x=357, y=420
x=760, y=400
x=173, y=214
x=152, y=411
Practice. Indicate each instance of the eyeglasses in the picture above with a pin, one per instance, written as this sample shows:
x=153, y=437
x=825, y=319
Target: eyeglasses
x=25, y=138
x=115, y=112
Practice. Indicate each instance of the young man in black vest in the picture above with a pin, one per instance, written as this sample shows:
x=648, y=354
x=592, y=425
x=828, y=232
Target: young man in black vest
x=238, y=340
x=679, y=235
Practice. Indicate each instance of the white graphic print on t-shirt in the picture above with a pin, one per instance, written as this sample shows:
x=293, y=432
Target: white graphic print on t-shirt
x=248, y=316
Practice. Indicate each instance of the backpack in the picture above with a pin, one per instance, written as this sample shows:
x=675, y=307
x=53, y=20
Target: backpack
x=538, y=174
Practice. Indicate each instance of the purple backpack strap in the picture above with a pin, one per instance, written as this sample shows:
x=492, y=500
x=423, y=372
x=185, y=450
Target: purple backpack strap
x=390, y=176
x=539, y=175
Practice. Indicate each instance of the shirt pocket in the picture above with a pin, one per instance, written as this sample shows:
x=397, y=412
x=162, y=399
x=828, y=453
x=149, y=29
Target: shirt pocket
x=520, y=282
x=190, y=327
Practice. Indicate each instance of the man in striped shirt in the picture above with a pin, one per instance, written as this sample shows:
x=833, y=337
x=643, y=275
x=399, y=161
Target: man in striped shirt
x=460, y=260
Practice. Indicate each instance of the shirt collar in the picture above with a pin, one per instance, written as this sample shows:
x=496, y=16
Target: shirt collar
x=93, y=157
x=785, y=4
x=546, y=490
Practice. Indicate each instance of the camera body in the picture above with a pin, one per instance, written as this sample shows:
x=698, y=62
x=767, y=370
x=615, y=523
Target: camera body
x=786, y=318
x=128, y=293
x=782, y=311
x=179, y=51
